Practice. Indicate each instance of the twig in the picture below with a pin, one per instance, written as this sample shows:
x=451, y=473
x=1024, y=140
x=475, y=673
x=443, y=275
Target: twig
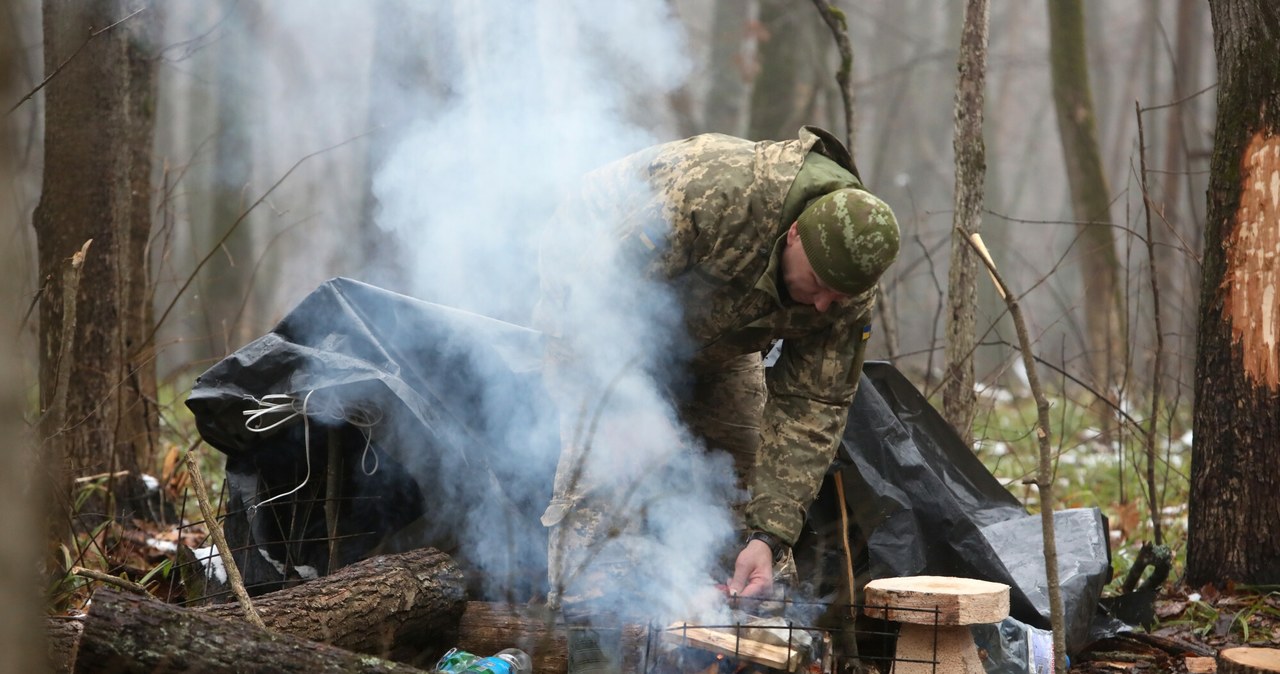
x=74, y=54
x=217, y=246
x=99, y=476
x=121, y=583
x=224, y=550
x=1044, y=477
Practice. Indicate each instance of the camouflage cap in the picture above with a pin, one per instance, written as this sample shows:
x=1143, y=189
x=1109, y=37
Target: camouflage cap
x=850, y=238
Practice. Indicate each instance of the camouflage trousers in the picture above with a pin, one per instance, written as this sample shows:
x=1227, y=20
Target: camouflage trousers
x=593, y=549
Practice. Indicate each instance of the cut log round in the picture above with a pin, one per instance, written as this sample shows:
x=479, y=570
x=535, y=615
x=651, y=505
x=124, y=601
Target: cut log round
x=392, y=606
x=941, y=600
x=1246, y=660
x=127, y=633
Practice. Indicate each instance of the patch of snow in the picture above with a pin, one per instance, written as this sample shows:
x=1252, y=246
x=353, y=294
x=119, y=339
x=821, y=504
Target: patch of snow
x=1194, y=596
x=212, y=562
x=1186, y=439
x=151, y=482
x=279, y=567
x=307, y=572
x=162, y=546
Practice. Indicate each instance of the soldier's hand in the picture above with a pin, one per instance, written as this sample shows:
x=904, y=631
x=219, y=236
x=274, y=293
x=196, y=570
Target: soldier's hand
x=753, y=571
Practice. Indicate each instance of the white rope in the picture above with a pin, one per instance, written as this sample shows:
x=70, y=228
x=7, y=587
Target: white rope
x=306, y=446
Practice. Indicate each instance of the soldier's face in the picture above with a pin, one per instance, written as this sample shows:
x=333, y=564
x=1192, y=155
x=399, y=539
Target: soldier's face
x=803, y=285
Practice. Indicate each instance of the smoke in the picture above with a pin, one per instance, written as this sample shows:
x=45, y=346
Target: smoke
x=524, y=99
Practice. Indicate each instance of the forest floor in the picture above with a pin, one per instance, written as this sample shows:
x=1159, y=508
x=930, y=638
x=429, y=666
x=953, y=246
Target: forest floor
x=1192, y=626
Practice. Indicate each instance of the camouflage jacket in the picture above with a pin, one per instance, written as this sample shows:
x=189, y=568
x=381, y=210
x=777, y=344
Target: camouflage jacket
x=712, y=226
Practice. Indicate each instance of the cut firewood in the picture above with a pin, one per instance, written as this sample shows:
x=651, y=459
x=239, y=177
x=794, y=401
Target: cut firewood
x=1199, y=665
x=924, y=600
x=127, y=633
x=1246, y=660
x=934, y=612
x=733, y=645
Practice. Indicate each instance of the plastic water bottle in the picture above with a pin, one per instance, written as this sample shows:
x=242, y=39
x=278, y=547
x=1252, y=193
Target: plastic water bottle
x=507, y=661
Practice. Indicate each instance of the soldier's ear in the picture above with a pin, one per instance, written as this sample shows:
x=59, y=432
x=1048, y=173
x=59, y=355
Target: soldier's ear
x=793, y=232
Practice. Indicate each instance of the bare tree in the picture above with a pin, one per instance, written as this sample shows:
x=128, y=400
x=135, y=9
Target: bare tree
x=1234, y=519
x=784, y=89
x=958, y=399
x=97, y=380
x=727, y=93
x=1090, y=196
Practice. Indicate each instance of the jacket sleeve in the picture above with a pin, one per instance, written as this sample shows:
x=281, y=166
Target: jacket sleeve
x=810, y=389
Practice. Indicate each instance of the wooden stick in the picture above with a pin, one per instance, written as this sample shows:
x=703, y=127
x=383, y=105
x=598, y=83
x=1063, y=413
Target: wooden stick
x=844, y=538
x=733, y=645
x=109, y=579
x=224, y=550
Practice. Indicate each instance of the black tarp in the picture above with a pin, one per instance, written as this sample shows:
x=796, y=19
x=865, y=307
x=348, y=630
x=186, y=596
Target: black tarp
x=920, y=498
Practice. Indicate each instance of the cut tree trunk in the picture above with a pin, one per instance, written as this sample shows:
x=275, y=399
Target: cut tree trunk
x=1248, y=660
x=132, y=633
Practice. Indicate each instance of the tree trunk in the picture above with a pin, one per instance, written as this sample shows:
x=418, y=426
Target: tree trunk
x=726, y=97
x=783, y=89
x=131, y=633
x=1090, y=196
x=958, y=399
x=97, y=169
x=19, y=584
x=227, y=291
x=1234, y=517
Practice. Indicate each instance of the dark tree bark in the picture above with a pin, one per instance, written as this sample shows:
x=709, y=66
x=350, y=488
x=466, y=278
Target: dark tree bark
x=1234, y=518
x=726, y=97
x=958, y=398
x=1090, y=196
x=391, y=606
x=100, y=106
x=131, y=633
x=783, y=90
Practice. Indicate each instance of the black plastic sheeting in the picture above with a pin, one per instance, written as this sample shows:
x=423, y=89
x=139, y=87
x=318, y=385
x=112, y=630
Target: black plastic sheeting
x=403, y=389
x=921, y=500
x=928, y=506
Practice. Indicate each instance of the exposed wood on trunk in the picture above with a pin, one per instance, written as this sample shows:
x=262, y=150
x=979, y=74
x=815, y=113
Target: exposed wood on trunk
x=1234, y=516
x=127, y=633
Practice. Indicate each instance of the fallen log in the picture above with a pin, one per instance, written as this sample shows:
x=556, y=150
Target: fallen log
x=392, y=606
x=403, y=607
x=127, y=633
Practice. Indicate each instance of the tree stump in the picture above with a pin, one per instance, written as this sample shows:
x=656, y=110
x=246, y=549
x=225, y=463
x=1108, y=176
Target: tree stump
x=1246, y=660
x=935, y=612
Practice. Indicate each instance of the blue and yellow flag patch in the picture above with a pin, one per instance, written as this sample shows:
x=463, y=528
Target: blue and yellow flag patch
x=866, y=332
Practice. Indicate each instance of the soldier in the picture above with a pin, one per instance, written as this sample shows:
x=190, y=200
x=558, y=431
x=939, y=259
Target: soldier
x=756, y=242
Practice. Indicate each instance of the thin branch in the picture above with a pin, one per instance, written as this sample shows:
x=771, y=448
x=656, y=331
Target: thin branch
x=61, y=66
x=839, y=26
x=224, y=550
x=1153, y=499
x=121, y=583
x=213, y=250
x=1044, y=476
